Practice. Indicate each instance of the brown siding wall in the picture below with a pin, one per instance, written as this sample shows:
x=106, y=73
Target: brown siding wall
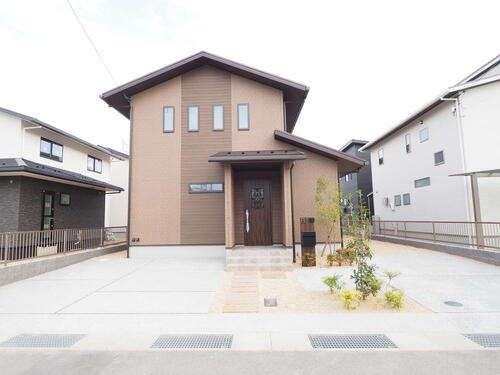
x=305, y=173
x=155, y=163
x=202, y=215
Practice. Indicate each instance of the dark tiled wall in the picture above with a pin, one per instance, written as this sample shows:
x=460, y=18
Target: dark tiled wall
x=10, y=188
x=85, y=211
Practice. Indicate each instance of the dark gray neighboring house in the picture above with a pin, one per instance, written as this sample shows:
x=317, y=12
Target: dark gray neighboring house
x=361, y=180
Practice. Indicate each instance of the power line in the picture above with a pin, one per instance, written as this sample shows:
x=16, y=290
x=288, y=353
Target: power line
x=91, y=42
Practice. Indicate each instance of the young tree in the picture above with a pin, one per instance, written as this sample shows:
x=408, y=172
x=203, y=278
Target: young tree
x=329, y=209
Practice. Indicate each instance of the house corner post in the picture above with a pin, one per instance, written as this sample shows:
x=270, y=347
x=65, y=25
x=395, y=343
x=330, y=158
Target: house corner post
x=228, y=206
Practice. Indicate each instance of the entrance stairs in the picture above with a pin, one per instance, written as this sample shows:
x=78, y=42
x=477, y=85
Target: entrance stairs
x=257, y=258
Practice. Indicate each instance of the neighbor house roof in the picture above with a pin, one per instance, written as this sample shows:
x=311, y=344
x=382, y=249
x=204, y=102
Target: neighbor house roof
x=352, y=142
x=294, y=93
x=264, y=155
x=116, y=154
x=487, y=173
x=28, y=167
x=52, y=128
x=347, y=163
x=472, y=80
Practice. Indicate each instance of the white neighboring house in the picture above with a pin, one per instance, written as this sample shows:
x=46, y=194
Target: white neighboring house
x=50, y=179
x=117, y=204
x=415, y=163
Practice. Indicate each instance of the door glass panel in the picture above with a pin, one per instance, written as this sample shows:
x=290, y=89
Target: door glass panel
x=257, y=197
x=47, y=208
x=47, y=223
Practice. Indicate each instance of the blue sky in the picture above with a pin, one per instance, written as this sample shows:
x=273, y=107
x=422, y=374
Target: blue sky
x=368, y=63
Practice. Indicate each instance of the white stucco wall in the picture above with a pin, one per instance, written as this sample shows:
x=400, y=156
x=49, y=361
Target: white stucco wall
x=481, y=128
x=10, y=136
x=117, y=204
x=445, y=198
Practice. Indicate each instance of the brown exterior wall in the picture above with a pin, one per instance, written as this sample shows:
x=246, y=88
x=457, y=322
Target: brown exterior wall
x=202, y=215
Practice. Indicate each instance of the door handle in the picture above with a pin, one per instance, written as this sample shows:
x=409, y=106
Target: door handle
x=247, y=224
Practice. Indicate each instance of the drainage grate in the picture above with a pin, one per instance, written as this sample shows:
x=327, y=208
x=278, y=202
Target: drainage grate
x=486, y=340
x=350, y=342
x=41, y=341
x=193, y=342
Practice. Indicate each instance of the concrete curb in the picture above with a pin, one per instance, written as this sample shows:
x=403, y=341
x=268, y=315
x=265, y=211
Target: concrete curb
x=27, y=269
x=486, y=256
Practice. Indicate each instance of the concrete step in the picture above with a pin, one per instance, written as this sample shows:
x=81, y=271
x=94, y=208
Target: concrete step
x=258, y=260
x=262, y=267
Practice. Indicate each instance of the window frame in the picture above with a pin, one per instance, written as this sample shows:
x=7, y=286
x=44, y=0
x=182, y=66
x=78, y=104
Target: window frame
x=398, y=201
x=420, y=134
x=408, y=143
x=442, y=162
x=213, y=118
x=173, y=118
x=248, y=116
x=51, y=154
x=191, y=191
x=61, y=202
x=422, y=179
x=94, y=159
x=197, y=119
x=405, y=202
x=380, y=159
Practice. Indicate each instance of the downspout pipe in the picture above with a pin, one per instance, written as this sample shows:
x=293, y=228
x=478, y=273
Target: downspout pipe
x=293, y=218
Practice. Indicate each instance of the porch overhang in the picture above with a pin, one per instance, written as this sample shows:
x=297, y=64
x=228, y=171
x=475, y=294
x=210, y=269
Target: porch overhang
x=256, y=156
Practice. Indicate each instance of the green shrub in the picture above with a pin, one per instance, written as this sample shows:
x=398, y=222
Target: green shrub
x=351, y=299
x=365, y=280
x=390, y=275
x=330, y=258
x=333, y=282
x=394, y=298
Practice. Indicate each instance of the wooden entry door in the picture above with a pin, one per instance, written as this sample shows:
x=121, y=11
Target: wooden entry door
x=257, y=213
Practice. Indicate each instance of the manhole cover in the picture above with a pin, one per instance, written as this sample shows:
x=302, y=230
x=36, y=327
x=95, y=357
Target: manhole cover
x=486, y=340
x=351, y=342
x=270, y=302
x=41, y=341
x=453, y=303
x=193, y=342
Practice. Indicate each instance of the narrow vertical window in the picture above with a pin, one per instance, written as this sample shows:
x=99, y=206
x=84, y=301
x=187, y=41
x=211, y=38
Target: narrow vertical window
x=243, y=123
x=406, y=199
x=381, y=156
x=218, y=117
x=408, y=143
x=397, y=200
x=168, y=119
x=193, y=125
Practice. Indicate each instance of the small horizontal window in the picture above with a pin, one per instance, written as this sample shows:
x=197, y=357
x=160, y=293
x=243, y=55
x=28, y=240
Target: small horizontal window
x=94, y=164
x=423, y=182
x=51, y=150
x=406, y=199
x=439, y=158
x=397, y=200
x=423, y=134
x=206, y=188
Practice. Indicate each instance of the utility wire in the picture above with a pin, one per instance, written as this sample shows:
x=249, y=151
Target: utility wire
x=91, y=42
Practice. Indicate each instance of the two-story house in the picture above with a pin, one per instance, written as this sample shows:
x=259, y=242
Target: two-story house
x=213, y=160
x=360, y=181
x=50, y=179
x=443, y=161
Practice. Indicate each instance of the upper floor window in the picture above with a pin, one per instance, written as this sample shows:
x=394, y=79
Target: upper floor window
x=168, y=119
x=406, y=199
x=423, y=182
x=397, y=200
x=51, y=150
x=424, y=134
x=218, y=117
x=408, y=143
x=381, y=156
x=439, y=158
x=193, y=119
x=94, y=164
x=243, y=121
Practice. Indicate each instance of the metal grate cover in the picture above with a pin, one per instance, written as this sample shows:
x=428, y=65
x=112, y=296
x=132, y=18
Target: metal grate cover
x=193, y=342
x=486, y=340
x=350, y=342
x=41, y=341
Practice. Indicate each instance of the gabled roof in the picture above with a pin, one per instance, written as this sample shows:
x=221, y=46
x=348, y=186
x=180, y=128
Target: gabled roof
x=352, y=142
x=52, y=128
x=264, y=155
x=294, y=93
x=115, y=153
x=30, y=167
x=472, y=80
x=346, y=163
